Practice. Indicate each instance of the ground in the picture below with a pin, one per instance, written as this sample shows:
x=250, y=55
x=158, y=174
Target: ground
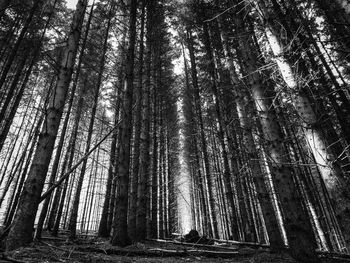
x=94, y=250
x=43, y=254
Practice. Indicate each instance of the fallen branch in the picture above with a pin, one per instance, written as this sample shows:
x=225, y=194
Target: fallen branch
x=63, y=177
x=238, y=243
x=335, y=256
x=9, y=259
x=213, y=247
x=160, y=252
x=54, y=247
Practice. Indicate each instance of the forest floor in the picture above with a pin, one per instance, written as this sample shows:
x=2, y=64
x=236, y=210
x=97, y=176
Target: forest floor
x=94, y=250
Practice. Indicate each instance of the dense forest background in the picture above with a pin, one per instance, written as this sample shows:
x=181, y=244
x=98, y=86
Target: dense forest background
x=140, y=119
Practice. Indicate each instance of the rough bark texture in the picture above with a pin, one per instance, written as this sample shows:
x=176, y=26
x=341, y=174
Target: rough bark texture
x=324, y=159
x=211, y=204
x=299, y=231
x=75, y=207
x=21, y=231
x=245, y=115
x=120, y=226
x=138, y=122
x=142, y=195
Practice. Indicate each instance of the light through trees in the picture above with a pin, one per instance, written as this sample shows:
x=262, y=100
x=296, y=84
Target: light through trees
x=135, y=120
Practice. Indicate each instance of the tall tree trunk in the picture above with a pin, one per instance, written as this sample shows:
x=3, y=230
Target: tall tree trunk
x=75, y=206
x=337, y=188
x=245, y=115
x=104, y=230
x=60, y=144
x=144, y=169
x=138, y=122
x=119, y=92
x=120, y=224
x=211, y=204
x=21, y=231
x=301, y=239
x=154, y=170
x=193, y=124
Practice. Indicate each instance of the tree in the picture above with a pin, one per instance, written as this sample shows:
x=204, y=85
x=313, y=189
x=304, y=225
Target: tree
x=21, y=230
x=120, y=234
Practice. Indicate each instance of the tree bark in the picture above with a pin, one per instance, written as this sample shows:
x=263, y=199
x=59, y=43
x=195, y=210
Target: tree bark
x=337, y=188
x=120, y=224
x=21, y=231
x=211, y=204
x=299, y=231
x=138, y=122
x=245, y=116
x=144, y=176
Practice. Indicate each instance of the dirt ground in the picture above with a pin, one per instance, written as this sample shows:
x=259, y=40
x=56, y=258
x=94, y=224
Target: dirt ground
x=98, y=251
x=44, y=254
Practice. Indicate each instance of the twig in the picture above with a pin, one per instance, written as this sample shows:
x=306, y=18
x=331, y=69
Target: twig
x=211, y=19
x=9, y=259
x=52, y=246
x=63, y=177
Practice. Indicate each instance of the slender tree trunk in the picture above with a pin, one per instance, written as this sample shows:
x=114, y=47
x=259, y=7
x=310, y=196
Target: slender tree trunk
x=211, y=204
x=56, y=200
x=117, y=135
x=104, y=230
x=161, y=171
x=155, y=160
x=193, y=125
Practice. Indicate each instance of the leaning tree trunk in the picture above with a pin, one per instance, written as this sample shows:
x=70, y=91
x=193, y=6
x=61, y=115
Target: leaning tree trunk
x=120, y=224
x=60, y=144
x=21, y=231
